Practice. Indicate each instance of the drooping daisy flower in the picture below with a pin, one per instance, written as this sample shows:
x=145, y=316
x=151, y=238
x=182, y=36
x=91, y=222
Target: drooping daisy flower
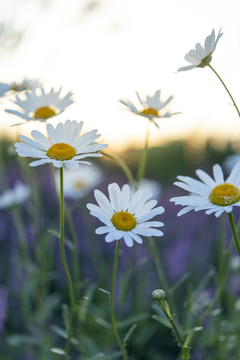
x=150, y=186
x=24, y=85
x=202, y=56
x=39, y=105
x=126, y=214
x=79, y=183
x=231, y=161
x=150, y=107
x=15, y=196
x=64, y=146
x=214, y=195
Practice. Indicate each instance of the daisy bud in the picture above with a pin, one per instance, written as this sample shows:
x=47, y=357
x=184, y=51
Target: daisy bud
x=158, y=295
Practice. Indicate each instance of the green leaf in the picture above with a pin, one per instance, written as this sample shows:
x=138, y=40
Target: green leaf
x=58, y=351
x=162, y=320
x=167, y=309
x=67, y=242
x=22, y=340
x=179, y=283
x=104, y=291
x=70, y=244
x=132, y=320
x=203, y=283
x=62, y=333
x=103, y=322
x=190, y=334
x=85, y=302
x=129, y=333
x=54, y=232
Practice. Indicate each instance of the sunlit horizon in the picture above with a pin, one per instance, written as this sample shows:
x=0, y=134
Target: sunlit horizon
x=103, y=52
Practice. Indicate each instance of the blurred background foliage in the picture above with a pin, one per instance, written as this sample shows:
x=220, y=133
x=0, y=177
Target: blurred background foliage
x=33, y=294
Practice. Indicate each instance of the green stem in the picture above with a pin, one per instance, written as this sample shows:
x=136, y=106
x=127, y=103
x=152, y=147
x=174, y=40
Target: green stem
x=225, y=88
x=113, y=319
x=234, y=231
x=124, y=167
x=26, y=262
x=221, y=247
x=143, y=158
x=25, y=253
x=76, y=266
x=175, y=330
x=224, y=270
x=64, y=263
x=161, y=276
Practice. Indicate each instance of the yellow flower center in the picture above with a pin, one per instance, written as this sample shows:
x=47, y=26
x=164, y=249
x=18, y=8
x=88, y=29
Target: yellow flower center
x=149, y=112
x=79, y=185
x=44, y=112
x=124, y=221
x=18, y=87
x=224, y=195
x=61, y=152
x=205, y=61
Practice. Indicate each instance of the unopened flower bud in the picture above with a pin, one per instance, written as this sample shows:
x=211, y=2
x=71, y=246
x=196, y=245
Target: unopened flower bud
x=158, y=295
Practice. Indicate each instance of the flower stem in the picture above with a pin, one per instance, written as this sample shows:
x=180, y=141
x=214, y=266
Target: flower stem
x=74, y=249
x=160, y=272
x=143, y=158
x=234, y=103
x=185, y=353
x=113, y=319
x=221, y=247
x=123, y=166
x=64, y=263
x=234, y=231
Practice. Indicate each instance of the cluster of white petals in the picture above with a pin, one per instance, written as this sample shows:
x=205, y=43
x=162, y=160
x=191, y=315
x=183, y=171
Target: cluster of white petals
x=134, y=209
x=201, y=56
x=200, y=191
x=65, y=136
x=15, y=196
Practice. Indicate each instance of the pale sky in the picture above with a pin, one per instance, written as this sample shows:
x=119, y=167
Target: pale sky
x=105, y=50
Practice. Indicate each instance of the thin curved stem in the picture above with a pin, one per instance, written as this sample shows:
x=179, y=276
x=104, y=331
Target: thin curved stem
x=161, y=275
x=223, y=83
x=112, y=314
x=234, y=231
x=69, y=222
x=143, y=158
x=26, y=261
x=64, y=263
x=174, y=326
x=123, y=166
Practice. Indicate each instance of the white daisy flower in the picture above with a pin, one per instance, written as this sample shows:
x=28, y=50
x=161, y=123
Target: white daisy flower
x=150, y=186
x=77, y=184
x=19, y=86
x=4, y=88
x=214, y=195
x=150, y=107
x=126, y=214
x=231, y=161
x=202, y=56
x=64, y=146
x=15, y=196
x=39, y=105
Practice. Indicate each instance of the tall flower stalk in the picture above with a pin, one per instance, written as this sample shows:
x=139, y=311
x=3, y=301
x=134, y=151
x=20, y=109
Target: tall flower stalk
x=112, y=313
x=65, y=266
x=125, y=216
x=225, y=87
x=234, y=232
x=143, y=158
